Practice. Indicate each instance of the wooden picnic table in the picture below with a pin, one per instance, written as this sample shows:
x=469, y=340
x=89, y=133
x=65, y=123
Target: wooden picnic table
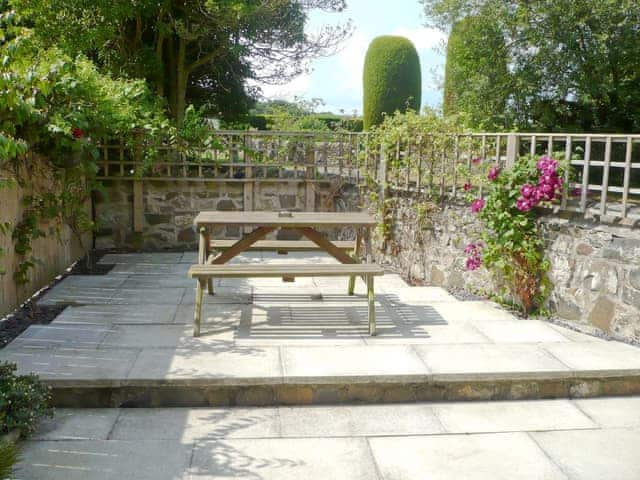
x=263, y=223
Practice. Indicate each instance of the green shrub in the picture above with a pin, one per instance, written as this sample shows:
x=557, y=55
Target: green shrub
x=391, y=80
x=8, y=457
x=23, y=400
x=476, y=76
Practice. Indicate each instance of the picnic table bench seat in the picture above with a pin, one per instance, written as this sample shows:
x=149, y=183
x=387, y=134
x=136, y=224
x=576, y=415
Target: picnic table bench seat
x=281, y=245
x=204, y=273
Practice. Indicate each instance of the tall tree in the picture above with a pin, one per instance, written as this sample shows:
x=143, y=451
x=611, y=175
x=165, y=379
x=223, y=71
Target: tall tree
x=476, y=76
x=190, y=48
x=575, y=65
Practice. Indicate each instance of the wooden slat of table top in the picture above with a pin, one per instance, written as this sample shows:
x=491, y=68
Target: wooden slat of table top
x=297, y=219
x=275, y=270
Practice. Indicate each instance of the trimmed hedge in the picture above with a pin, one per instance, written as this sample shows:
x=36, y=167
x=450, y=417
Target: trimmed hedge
x=391, y=79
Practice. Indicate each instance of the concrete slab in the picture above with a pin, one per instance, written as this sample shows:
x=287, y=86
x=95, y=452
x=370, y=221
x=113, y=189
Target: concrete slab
x=359, y=420
x=63, y=295
x=61, y=335
x=217, y=318
x=316, y=323
x=166, y=336
x=196, y=424
x=77, y=424
x=103, y=460
x=138, y=281
x=598, y=357
x=352, y=363
x=156, y=296
x=507, y=416
x=284, y=459
x=214, y=364
x=480, y=310
x=68, y=365
x=415, y=295
x=491, y=456
x=151, y=258
x=593, y=454
x=612, y=412
x=572, y=335
x=518, y=331
x=482, y=362
x=222, y=295
x=93, y=281
x=117, y=314
x=180, y=269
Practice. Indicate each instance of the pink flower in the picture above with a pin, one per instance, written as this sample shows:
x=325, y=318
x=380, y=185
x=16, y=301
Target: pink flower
x=474, y=252
x=523, y=204
x=467, y=187
x=527, y=190
x=477, y=205
x=476, y=160
x=493, y=173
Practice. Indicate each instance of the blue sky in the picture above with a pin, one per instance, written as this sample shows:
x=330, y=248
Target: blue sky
x=338, y=79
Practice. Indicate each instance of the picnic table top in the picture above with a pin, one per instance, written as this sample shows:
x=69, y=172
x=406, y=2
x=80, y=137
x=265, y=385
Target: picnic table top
x=275, y=219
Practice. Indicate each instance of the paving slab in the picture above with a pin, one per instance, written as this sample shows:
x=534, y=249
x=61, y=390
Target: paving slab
x=217, y=317
x=500, y=456
x=415, y=295
x=612, y=412
x=72, y=365
x=352, y=363
x=222, y=295
x=62, y=335
x=63, y=295
x=149, y=258
x=167, y=336
x=490, y=361
x=598, y=357
x=196, y=424
x=103, y=460
x=156, y=296
x=117, y=314
x=284, y=459
x=92, y=281
x=316, y=324
x=138, y=281
x=214, y=364
x=518, y=331
x=593, y=454
x=78, y=424
x=179, y=269
x=508, y=416
x=359, y=420
x=473, y=310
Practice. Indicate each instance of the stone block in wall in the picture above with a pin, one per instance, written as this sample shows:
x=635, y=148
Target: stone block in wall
x=602, y=313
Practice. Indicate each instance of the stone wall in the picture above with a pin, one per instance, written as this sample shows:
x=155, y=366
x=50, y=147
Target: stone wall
x=595, y=266
x=54, y=252
x=170, y=207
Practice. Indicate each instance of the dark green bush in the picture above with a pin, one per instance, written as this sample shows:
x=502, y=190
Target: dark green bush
x=392, y=79
x=23, y=400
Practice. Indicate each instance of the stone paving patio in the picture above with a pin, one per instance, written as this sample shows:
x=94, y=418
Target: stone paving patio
x=543, y=439
x=133, y=327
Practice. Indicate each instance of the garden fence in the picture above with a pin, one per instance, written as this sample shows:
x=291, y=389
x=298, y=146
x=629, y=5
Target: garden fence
x=604, y=178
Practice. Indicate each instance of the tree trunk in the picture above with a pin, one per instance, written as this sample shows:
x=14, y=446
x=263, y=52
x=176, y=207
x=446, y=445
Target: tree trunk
x=182, y=76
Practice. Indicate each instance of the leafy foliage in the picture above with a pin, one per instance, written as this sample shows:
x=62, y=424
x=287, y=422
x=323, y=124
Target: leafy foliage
x=512, y=247
x=200, y=51
x=392, y=79
x=8, y=457
x=23, y=400
x=476, y=76
x=573, y=65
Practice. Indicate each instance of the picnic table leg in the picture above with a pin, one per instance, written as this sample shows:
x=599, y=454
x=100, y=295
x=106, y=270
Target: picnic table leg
x=356, y=256
x=207, y=244
x=198, y=309
x=372, y=306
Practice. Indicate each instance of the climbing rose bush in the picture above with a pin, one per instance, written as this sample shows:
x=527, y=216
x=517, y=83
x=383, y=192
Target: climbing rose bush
x=511, y=247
